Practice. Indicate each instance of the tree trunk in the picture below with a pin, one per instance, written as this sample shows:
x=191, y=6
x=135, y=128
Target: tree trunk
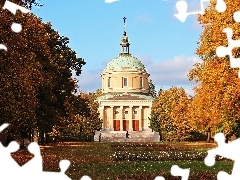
x=208, y=137
x=35, y=136
x=160, y=134
x=30, y=136
x=47, y=138
x=42, y=138
x=226, y=138
x=22, y=143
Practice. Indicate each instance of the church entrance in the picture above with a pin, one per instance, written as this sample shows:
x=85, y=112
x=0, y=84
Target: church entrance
x=125, y=125
x=116, y=125
x=135, y=125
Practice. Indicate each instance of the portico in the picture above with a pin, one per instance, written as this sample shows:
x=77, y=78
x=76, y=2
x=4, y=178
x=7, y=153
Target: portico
x=125, y=118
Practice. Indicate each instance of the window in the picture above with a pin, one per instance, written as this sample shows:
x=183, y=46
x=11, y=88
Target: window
x=125, y=81
x=116, y=112
x=134, y=112
x=125, y=112
x=141, y=82
x=109, y=82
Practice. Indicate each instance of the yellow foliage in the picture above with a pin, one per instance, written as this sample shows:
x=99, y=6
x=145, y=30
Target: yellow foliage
x=216, y=101
x=171, y=107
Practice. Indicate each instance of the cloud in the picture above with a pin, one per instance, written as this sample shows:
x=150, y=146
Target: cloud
x=90, y=80
x=170, y=73
x=111, y=1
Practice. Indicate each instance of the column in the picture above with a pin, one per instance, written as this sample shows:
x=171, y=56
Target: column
x=130, y=118
x=140, y=118
x=148, y=114
x=111, y=119
x=121, y=118
x=102, y=83
x=102, y=117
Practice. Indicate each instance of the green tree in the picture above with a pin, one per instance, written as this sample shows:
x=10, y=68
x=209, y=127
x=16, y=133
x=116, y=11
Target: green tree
x=58, y=84
x=151, y=89
x=155, y=123
x=84, y=116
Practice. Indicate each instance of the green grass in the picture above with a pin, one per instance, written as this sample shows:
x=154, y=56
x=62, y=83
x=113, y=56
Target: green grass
x=94, y=159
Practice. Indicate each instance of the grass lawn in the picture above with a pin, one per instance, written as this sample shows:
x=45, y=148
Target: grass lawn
x=128, y=160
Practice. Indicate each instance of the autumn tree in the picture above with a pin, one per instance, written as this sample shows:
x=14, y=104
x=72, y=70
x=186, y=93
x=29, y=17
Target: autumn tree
x=85, y=117
x=35, y=74
x=216, y=102
x=97, y=93
x=169, y=113
x=58, y=83
x=20, y=72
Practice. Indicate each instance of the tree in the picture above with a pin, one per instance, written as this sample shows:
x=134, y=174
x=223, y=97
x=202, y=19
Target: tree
x=155, y=123
x=84, y=116
x=35, y=74
x=151, y=89
x=216, y=102
x=169, y=112
x=58, y=85
x=98, y=93
x=25, y=3
x=20, y=73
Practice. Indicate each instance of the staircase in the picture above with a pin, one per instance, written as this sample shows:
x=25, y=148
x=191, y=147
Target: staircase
x=134, y=136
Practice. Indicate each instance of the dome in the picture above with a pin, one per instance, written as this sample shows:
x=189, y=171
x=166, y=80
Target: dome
x=125, y=61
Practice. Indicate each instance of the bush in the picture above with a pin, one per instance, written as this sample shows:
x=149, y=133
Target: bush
x=197, y=136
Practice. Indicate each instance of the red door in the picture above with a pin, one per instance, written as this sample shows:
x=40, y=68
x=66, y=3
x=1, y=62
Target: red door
x=125, y=125
x=135, y=125
x=116, y=125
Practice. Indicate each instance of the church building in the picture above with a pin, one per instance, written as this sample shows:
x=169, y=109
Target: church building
x=125, y=103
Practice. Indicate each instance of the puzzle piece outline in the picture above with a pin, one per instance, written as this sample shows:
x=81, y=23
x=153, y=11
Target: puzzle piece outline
x=30, y=170
x=222, y=51
x=182, y=8
x=226, y=150
x=16, y=27
x=177, y=171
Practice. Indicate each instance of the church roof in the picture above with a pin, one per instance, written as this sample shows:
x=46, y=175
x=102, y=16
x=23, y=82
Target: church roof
x=124, y=60
x=125, y=96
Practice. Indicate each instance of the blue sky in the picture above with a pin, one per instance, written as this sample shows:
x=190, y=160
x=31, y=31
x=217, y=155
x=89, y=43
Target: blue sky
x=165, y=45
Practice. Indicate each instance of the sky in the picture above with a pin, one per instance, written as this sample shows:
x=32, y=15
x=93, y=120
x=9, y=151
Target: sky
x=165, y=45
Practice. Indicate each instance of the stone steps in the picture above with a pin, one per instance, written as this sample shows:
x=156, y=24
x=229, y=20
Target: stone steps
x=120, y=136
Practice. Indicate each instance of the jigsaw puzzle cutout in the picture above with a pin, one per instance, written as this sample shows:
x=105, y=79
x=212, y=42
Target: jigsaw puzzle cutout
x=177, y=171
x=33, y=169
x=222, y=51
x=16, y=27
x=182, y=8
x=227, y=150
x=86, y=178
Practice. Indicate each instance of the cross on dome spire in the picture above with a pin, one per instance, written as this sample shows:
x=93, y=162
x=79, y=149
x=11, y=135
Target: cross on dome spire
x=124, y=44
x=124, y=21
